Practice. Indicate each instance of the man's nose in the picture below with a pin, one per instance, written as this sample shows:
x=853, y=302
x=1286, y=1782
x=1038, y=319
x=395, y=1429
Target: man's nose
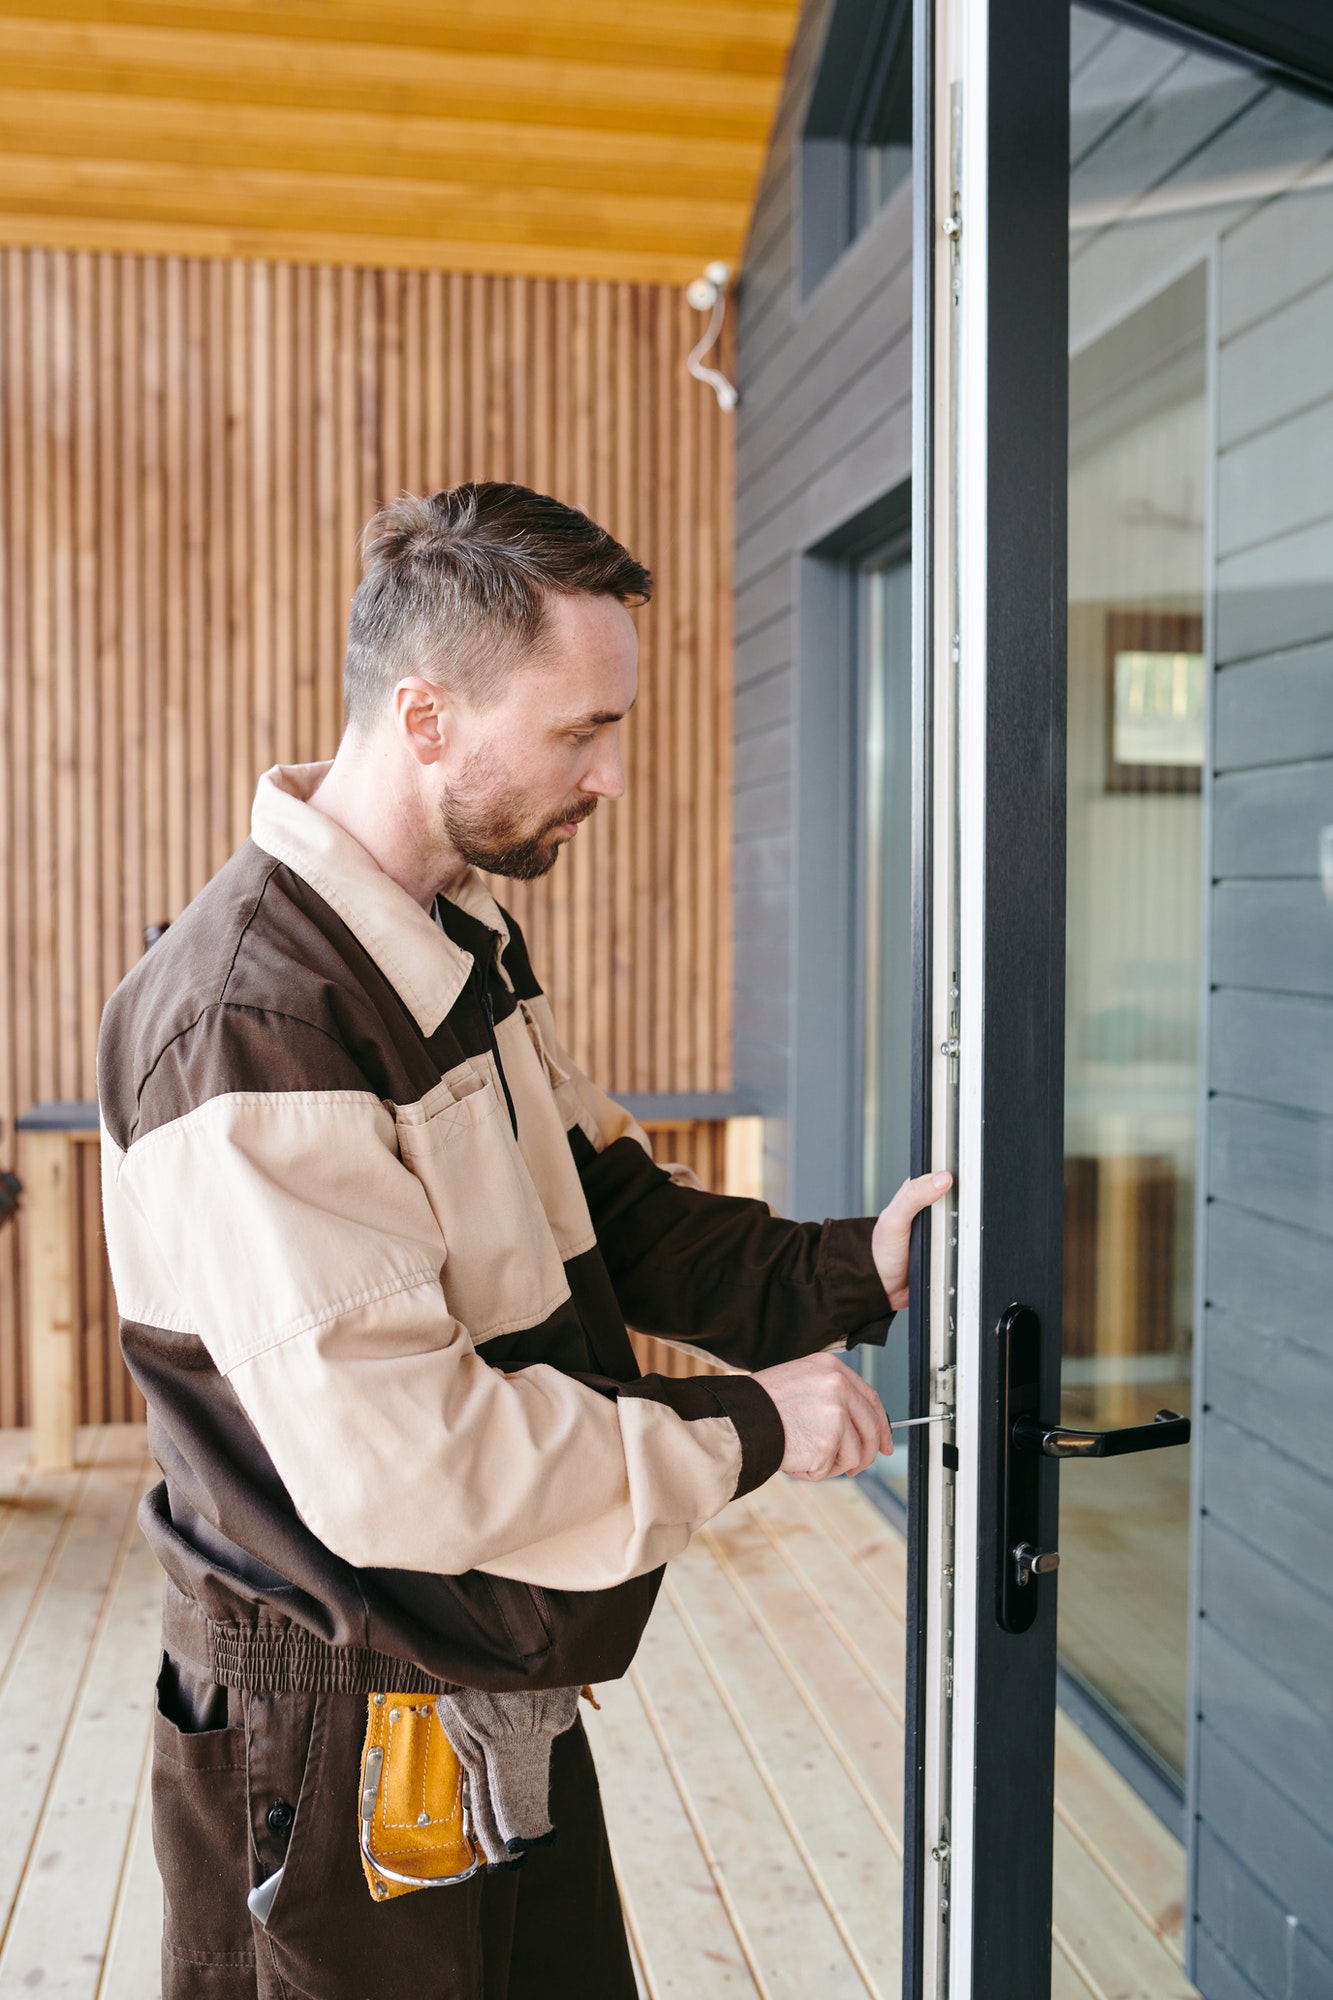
x=606, y=778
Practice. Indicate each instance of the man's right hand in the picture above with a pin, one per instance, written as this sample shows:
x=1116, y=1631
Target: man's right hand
x=833, y=1420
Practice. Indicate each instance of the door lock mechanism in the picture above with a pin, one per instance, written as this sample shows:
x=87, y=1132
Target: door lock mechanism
x=1025, y=1442
x=1030, y=1562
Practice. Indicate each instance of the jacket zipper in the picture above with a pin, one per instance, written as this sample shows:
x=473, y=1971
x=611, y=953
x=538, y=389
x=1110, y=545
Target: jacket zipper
x=488, y=1009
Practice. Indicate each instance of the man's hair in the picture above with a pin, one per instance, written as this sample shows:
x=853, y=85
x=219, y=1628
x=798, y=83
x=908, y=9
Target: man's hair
x=456, y=587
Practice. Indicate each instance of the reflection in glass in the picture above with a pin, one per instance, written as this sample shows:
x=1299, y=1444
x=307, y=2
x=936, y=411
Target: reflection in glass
x=885, y=900
x=1193, y=185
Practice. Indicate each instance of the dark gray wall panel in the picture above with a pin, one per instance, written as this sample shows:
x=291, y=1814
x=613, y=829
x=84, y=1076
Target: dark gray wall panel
x=1275, y=710
x=1279, y=1389
x=1276, y=1279
x=824, y=431
x=767, y=650
x=765, y=598
x=1275, y=1046
x=767, y=913
x=763, y=756
x=1275, y=1161
x=1263, y=1720
x=1279, y=1957
x=1216, y=1975
x=1268, y=822
x=764, y=1016
x=838, y=342
x=843, y=487
x=763, y=703
x=1276, y=935
x=761, y=809
x=1256, y=1608
x=765, y=964
x=1289, y=1853
x=763, y=863
x=1266, y=1496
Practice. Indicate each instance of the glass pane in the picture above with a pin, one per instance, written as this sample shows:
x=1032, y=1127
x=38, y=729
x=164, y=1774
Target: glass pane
x=1185, y=169
x=885, y=844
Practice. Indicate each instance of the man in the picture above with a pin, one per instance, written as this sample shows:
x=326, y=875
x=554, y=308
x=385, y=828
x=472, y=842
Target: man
x=375, y=1239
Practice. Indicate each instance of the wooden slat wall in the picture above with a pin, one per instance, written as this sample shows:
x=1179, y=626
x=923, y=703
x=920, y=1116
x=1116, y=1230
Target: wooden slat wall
x=188, y=451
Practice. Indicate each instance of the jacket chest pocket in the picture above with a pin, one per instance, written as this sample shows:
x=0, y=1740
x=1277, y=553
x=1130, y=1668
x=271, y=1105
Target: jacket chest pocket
x=502, y=1270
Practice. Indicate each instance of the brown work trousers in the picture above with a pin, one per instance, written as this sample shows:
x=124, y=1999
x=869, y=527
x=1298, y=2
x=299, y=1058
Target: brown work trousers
x=246, y=1783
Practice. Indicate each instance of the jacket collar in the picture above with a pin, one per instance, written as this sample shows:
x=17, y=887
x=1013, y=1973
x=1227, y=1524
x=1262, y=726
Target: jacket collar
x=426, y=968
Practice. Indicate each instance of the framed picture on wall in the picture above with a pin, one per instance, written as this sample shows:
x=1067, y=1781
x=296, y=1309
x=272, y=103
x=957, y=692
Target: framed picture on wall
x=1154, y=701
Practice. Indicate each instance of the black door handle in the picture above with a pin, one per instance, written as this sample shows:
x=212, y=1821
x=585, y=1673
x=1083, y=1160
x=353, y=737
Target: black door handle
x=1024, y=1442
x=1167, y=1427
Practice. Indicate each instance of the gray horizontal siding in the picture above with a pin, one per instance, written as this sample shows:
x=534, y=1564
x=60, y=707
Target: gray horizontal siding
x=1271, y=1160
x=1262, y=395
x=1289, y=1853
x=1255, y=1933
x=1254, y=1604
x=1272, y=934
x=1216, y=1976
x=1277, y=1278
x=1263, y=1694
x=763, y=756
x=1270, y=1499
x=1267, y=822
x=1274, y=1046
x=823, y=430
x=1272, y=710
x=1277, y=595
x=1248, y=1708
x=1277, y=1388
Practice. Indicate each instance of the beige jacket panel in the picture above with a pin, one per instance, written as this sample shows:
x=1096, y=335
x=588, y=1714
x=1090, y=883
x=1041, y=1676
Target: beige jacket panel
x=322, y=1289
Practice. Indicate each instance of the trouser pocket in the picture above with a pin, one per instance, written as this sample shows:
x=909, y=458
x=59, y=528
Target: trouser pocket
x=201, y=1838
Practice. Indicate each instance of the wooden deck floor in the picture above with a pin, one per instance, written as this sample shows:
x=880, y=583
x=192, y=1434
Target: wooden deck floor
x=751, y=1763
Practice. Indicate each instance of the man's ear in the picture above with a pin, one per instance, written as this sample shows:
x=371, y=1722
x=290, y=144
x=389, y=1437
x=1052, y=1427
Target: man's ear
x=423, y=717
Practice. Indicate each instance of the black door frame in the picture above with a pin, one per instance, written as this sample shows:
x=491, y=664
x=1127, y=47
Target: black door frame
x=1020, y=1011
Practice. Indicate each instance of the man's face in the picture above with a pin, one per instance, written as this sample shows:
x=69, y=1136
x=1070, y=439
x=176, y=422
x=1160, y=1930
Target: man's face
x=517, y=778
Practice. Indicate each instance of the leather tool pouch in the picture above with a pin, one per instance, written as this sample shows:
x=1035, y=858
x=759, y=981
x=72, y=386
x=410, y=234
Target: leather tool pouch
x=415, y=1827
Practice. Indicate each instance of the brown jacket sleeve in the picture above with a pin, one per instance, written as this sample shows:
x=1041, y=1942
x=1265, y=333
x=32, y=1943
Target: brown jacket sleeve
x=720, y=1271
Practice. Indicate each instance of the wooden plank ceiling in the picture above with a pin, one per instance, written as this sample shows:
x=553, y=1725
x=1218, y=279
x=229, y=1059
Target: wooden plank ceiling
x=561, y=138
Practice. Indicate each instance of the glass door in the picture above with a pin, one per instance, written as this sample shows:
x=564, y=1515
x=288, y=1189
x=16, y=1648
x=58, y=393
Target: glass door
x=1182, y=372
x=1125, y=490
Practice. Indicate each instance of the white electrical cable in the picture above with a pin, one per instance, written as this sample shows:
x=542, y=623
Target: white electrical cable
x=703, y=293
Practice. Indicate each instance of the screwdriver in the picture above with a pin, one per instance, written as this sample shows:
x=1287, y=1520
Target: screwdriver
x=907, y=1423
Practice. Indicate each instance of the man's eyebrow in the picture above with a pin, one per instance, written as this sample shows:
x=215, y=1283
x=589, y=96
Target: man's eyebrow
x=595, y=721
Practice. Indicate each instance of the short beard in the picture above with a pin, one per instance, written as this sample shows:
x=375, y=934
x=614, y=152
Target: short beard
x=493, y=838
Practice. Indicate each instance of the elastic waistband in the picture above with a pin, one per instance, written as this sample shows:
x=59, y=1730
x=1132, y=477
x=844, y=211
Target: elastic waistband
x=273, y=1656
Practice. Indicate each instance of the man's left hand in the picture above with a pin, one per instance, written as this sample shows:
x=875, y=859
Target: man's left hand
x=892, y=1239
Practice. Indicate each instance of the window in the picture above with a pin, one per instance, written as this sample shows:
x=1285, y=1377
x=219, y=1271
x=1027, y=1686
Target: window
x=857, y=146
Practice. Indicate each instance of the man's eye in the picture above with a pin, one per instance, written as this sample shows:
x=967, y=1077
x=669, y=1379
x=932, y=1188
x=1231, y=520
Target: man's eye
x=582, y=736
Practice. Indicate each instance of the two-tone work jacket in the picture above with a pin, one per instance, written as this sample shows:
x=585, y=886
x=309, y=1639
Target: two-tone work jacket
x=375, y=1239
